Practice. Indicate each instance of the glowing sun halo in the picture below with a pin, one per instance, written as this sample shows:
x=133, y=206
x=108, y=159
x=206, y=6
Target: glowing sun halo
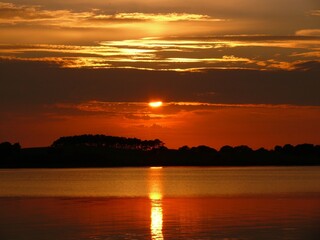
x=155, y=104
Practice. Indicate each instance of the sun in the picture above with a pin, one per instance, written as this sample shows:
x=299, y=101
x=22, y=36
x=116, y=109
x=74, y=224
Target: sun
x=155, y=104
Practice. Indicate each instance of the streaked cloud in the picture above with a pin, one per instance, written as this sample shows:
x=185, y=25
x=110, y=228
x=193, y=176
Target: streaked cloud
x=168, y=108
x=26, y=23
x=161, y=17
x=314, y=12
x=308, y=32
x=89, y=22
x=175, y=54
x=11, y=14
x=312, y=54
x=17, y=14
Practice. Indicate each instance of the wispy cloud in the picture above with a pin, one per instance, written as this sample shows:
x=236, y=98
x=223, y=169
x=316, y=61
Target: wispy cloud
x=308, y=32
x=17, y=14
x=262, y=52
x=312, y=54
x=161, y=17
x=11, y=14
x=168, y=108
x=315, y=12
x=177, y=54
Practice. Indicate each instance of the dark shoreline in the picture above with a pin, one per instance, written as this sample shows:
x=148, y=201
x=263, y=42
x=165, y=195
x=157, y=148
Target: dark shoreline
x=100, y=151
x=89, y=157
x=97, y=167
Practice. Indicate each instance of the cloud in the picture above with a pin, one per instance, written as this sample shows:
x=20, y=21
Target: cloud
x=161, y=17
x=178, y=54
x=37, y=24
x=11, y=14
x=141, y=110
x=315, y=13
x=23, y=14
x=312, y=54
x=107, y=107
x=308, y=32
x=40, y=83
x=308, y=65
x=144, y=19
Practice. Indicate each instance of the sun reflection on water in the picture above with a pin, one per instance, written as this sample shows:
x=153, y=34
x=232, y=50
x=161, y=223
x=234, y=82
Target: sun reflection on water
x=155, y=195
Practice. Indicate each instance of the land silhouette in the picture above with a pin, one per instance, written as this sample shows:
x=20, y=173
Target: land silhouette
x=110, y=151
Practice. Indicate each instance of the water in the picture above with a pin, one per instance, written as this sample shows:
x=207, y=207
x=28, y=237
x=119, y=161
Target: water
x=160, y=203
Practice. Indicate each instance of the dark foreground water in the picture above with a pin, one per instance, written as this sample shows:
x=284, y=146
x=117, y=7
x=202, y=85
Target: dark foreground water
x=160, y=203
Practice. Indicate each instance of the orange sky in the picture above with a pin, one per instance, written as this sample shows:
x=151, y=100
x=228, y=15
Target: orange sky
x=228, y=72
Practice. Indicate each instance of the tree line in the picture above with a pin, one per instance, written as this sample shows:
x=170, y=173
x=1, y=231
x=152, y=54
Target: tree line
x=7, y=148
x=111, y=142
x=110, y=151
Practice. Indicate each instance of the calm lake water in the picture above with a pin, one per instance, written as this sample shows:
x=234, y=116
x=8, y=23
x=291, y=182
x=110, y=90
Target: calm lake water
x=160, y=203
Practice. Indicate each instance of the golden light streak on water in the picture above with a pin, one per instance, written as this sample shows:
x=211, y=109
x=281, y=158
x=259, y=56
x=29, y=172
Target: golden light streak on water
x=155, y=195
x=156, y=220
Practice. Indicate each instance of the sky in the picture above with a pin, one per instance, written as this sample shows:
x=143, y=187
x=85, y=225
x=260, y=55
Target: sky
x=231, y=72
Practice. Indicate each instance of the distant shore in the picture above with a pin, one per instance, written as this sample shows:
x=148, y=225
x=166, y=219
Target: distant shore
x=89, y=151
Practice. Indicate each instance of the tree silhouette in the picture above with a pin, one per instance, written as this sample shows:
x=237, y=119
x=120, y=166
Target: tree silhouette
x=110, y=151
x=110, y=142
x=8, y=150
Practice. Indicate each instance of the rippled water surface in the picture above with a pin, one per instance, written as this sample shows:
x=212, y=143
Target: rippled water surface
x=160, y=203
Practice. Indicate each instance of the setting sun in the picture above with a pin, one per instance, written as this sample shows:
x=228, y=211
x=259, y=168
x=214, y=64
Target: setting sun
x=155, y=104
